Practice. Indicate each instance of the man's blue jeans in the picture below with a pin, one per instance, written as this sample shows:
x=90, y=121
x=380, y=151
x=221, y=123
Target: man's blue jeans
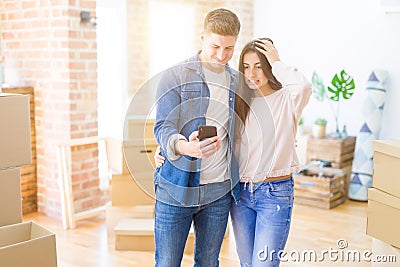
x=261, y=222
x=172, y=224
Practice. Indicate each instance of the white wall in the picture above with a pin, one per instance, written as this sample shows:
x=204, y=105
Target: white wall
x=331, y=35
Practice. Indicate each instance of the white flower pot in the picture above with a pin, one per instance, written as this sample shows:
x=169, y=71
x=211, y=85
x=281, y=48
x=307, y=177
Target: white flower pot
x=318, y=131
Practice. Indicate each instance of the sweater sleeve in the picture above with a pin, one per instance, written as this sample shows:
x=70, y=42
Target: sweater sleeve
x=296, y=83
x=171, y=153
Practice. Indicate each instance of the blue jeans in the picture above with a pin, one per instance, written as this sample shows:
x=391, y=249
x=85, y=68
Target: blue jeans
x=261, y=222
x=172, y=225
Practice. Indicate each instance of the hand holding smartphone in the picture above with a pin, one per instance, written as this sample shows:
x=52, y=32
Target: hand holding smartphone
x=206, y=131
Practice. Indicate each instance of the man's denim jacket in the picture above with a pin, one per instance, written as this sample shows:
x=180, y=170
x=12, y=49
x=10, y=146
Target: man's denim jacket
x=182, y=101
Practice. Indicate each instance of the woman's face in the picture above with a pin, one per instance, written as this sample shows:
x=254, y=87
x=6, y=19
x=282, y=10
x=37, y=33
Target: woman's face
x=255, y=77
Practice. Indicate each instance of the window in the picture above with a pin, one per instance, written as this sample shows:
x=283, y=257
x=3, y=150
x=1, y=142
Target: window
x=171, y=34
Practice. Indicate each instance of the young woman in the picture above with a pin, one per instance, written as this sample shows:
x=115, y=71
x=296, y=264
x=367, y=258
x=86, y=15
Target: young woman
x=272, y=98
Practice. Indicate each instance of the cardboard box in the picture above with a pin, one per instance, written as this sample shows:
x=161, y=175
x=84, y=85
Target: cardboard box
x=125, y=191
x=10, y=197
x=114, y=214
x=383, y=218
x=27, y=244
x=138, y=154
x=140, y=158
x=138, y=127
x=384, y=255
x=15, y=136
x=386, y=175
x=138, y=235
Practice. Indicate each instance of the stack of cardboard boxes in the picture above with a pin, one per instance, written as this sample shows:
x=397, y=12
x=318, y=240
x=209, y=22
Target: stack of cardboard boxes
x=130, y=214
x=21, y=243
x=384, y=200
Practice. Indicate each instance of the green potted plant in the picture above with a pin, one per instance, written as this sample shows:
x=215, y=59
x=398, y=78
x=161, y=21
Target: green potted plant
x=341, y=88
x=319, y=128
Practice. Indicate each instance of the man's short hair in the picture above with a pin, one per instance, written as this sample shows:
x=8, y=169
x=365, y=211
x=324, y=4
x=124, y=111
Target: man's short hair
x=223, y=22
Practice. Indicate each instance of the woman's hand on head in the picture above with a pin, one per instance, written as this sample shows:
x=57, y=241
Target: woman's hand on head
x=268, y=50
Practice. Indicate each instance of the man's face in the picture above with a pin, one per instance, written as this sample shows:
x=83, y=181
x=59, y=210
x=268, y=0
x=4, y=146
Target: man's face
x=217, y=49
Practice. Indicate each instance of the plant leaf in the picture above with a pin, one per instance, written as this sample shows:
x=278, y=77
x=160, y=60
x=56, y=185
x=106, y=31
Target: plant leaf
x=343, y=85
x=318, y=87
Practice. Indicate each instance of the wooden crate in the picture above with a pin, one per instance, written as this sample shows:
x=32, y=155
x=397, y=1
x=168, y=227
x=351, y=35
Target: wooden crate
x=340, y=152
x=28, y=172
x=322, y=191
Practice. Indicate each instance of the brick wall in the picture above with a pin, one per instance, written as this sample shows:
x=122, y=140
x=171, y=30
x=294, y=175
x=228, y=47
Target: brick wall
x=47, y=47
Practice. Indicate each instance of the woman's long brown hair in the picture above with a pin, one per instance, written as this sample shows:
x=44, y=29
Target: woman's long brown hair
x=245, y=94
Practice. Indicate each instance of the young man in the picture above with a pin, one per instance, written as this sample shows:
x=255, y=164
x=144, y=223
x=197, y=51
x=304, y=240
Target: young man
x=198, y=178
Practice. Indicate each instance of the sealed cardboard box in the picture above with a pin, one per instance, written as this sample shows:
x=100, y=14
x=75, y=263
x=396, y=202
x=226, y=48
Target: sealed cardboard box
x=125, y=191
x=27, y=244
x=138, y=235
x=15, y=137
x=383, y=219
x=137, y=154
x=10, y=197
x=138, y=127
x=114, y=214
x=386, y=162
x=140, y=157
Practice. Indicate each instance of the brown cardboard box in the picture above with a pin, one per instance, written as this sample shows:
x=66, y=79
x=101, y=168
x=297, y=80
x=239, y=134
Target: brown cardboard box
x=114, y=214
x=10, y=197
x=384, y=255
x=15, y=137
x=27, y=244
x=138, y=153
x=140, y=157
x=125, y=191
x=138, y=235
x=139, y=128
x=383, y=219
x=386, y=162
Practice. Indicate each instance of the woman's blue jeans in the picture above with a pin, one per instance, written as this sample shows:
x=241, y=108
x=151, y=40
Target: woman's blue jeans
x=172, y=224
x=261, y=222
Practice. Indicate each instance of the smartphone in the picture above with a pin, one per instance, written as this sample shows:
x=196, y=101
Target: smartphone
x=206, y=131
